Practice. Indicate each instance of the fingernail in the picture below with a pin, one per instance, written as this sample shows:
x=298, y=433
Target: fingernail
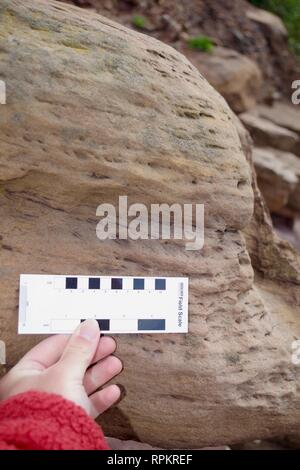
x=122, y=394
x=89, y=329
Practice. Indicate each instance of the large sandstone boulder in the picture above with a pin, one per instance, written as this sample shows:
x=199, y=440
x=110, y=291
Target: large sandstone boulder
x=95, y=111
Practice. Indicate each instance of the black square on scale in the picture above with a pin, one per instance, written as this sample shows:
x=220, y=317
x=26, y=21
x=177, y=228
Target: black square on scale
x=117, y=283
x=94, y=282
x=71, y=282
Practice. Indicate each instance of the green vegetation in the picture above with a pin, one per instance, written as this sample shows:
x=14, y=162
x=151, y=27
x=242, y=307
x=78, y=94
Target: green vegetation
x=289, y=12
x=201, y=43
x=139, y=22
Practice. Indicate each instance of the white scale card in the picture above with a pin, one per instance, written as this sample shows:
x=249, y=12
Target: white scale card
x=57, y=304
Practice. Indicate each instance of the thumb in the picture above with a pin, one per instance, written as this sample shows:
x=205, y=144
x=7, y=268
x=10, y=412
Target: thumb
x=80, y=349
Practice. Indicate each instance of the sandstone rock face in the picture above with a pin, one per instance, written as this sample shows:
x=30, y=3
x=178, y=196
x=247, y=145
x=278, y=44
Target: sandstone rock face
x=235, y=76
x=278, y=176
x=95, y=111
x=266, y=133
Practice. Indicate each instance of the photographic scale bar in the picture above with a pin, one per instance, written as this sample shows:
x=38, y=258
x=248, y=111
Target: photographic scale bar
x=121, y=304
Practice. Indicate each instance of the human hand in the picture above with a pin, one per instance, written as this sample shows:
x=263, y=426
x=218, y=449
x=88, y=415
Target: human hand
x=71, y=366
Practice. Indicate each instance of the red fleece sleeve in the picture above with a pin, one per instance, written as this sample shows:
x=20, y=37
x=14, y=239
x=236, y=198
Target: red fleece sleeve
x=38, y=420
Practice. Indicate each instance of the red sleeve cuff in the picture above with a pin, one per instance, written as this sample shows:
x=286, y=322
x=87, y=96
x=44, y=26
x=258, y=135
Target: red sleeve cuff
x=44, y=421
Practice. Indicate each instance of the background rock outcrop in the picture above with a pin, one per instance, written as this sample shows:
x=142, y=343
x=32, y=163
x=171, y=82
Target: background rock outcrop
x=276, y=134
x=266, y=133
x=236, y=77
x=280, y=170
x=233, y=24
x=272, y=25
x=93, y=111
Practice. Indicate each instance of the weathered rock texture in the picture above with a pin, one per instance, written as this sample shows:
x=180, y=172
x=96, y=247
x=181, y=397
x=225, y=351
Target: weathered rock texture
x=95, y=111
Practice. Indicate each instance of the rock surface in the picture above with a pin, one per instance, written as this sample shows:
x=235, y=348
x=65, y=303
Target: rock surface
x=278, y=175
x=276, y=263
x=272, y=24
x=261, y=445
x=265, y=133
x=235, y=76
x=118, y=444
x=227, y=22
x=93, y=111
x=284, y=115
